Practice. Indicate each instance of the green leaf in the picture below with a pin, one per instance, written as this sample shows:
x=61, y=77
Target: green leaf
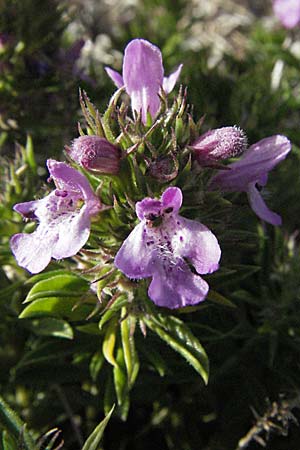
x=233, y=274
x=30, y=154
x=46, y=275
x=154, y=358
x=49, y=326
x=89, y=328
x=219, y=299
x=11, y=421
x=95, y=437
x=8, y=442
x=121, y=383
x=96, y=364
x=116, y=306
x=176, y=334
x=46, y=352
x=64, y=307
x=61, y=285
x=109, y=341
x=120, y=378
x=130, y=354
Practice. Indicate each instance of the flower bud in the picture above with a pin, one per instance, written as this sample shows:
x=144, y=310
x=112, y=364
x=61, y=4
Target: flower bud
x=220, y=143
x=164, y=168
x=96, y=154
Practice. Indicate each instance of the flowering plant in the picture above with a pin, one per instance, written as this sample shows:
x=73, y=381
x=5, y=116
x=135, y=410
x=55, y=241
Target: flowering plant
x=124, y=223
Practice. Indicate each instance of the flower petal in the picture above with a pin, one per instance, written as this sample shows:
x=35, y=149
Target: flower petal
x=143, y=76
x=170, y=81
x=260, y=208
x=73, y=232
x=287, y=11
x=70, y=179
x=176, y=287
x=172, y=198
x=115, y=76
x=146, y=206
x=134, y=257
x=33, y=251
x=257, y=161
x=196, y=242
x=27, y=209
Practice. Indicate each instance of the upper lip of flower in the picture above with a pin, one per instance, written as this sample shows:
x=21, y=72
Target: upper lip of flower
x=143, y=77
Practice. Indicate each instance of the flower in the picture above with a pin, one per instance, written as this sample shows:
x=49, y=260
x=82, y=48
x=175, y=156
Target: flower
x=95, y=153
x=287, y=11
x=252, y=169
x=63, y=216
x=163, y=246
x=143, y=77
x=220, y=143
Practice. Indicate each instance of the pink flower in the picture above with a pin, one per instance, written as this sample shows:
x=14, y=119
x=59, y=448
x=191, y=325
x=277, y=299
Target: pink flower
x=163, y=246
x=63, y=216
x=252, y=170
x=287, y=11
x=143, y=77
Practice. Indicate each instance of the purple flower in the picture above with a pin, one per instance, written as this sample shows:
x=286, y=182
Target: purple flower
x=251, y=170
x=96, y=154
x=163, y=246
x=143, y=77
x=287, y=11
x=220, y=143
x=63, y=216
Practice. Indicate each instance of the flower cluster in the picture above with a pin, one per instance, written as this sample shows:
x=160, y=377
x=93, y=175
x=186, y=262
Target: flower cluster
x=138, y=162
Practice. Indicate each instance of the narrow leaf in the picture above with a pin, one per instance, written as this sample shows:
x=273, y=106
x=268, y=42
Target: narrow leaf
x=10, y=421
x=49, y=326
x=64, y=284
x=176, y=334
x=109, y=342
x=95, y=437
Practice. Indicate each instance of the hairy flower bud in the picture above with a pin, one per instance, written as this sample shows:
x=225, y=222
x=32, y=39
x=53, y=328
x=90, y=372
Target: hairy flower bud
x=96, y=154
x=220, y=143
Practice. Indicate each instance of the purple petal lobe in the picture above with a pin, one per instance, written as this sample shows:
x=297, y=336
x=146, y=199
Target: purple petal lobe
x=134, y=257
x=256, y=162
x=143, y=76
x=115, y=76
x=262, y=181
x=32, y=251
x=172, y=198
x=176, y=287
x=27, y=209
x=170, y=81
x=197, y=243
x=69, y=179
x=146, y=207
x=73, y=232
x=260, y=208
x=287, y=11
